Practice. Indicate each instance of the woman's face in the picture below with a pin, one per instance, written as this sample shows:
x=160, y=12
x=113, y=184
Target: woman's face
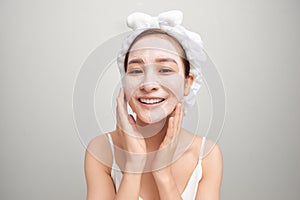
x=154, y=81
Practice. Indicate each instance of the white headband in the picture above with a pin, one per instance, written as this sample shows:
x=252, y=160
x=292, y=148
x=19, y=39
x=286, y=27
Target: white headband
x=169, y=22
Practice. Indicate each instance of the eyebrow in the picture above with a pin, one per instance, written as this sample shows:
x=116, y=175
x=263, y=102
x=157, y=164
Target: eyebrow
x=136, y=61
x=165, y=60
x=159, y=60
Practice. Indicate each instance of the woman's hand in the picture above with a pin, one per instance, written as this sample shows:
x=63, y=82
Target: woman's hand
x=132, y=141
x=165, y=157
x=165, y=154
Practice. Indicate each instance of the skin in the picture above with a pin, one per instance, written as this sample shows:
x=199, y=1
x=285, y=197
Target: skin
x=169, y=181
x=153, y=67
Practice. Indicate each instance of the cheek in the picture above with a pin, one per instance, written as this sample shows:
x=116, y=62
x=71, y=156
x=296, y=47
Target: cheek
x=130, y=85
x=175, y=84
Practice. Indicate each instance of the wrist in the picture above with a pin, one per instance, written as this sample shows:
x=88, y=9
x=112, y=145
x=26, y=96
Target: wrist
x=130, y=162
x=135, y=166
x=129, y=187
x=132, y=176
x=164, y=176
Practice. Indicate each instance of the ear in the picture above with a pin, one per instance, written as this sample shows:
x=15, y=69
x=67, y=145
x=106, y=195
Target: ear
x=188, y=83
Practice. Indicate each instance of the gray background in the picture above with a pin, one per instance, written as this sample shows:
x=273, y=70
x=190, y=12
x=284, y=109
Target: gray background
x=254, y=43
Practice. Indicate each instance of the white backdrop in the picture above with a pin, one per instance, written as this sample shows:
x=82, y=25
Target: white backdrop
x=255, y=45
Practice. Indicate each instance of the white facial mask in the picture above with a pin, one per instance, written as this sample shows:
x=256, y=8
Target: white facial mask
x=173, y=82
x=170, y=87
x=159, y=72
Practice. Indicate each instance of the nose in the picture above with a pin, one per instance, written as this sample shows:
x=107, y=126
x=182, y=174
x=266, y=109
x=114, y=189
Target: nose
x=149, y=86
x=150, y=79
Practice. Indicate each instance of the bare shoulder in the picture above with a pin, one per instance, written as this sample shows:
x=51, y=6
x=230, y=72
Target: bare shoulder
x=210, y=183
x=97, y=168
x=212, y=156
x=98, y=152
x=212, y=153
x=212, y=163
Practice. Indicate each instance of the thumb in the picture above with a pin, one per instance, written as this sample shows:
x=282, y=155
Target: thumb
x=131, y=119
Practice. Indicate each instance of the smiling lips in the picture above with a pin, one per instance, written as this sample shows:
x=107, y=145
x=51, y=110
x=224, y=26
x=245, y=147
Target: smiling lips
x=151, y=101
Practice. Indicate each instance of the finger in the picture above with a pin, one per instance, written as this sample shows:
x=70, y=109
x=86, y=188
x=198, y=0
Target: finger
x=173, y=113
x=135, y=131
x=177, y=116
x=131, y=119
x=119, y=102
x=122, y=115
x=181, y=114
x=170, y=132
x=120, y=95
x=120, y=91
x=123, y=100
x=118, y=112
x=122, y=108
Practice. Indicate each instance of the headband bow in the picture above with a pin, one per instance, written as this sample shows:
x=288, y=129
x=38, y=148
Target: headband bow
x=139, y=20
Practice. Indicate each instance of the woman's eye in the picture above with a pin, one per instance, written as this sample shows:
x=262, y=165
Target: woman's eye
x=165, y=70
x=135, y=71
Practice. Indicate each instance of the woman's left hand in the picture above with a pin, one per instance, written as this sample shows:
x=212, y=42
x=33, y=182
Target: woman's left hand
x=165, y=154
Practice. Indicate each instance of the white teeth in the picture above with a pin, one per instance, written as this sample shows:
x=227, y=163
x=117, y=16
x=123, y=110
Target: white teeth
x=150, y=101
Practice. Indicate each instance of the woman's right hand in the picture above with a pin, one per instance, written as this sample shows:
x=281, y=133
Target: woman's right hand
x=131, y=139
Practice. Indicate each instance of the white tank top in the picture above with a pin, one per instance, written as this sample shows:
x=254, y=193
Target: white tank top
x=190, y=190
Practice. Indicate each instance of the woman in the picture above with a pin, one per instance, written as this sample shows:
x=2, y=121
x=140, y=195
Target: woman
x=151, y=156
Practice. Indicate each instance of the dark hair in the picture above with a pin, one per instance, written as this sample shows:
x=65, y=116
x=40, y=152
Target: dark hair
x=156, y=31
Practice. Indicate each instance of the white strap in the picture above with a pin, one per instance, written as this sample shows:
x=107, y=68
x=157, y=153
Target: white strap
x=202, y=148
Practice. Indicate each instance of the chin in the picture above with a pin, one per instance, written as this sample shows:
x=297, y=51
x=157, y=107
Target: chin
x=150, y=119
x=154, y=115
